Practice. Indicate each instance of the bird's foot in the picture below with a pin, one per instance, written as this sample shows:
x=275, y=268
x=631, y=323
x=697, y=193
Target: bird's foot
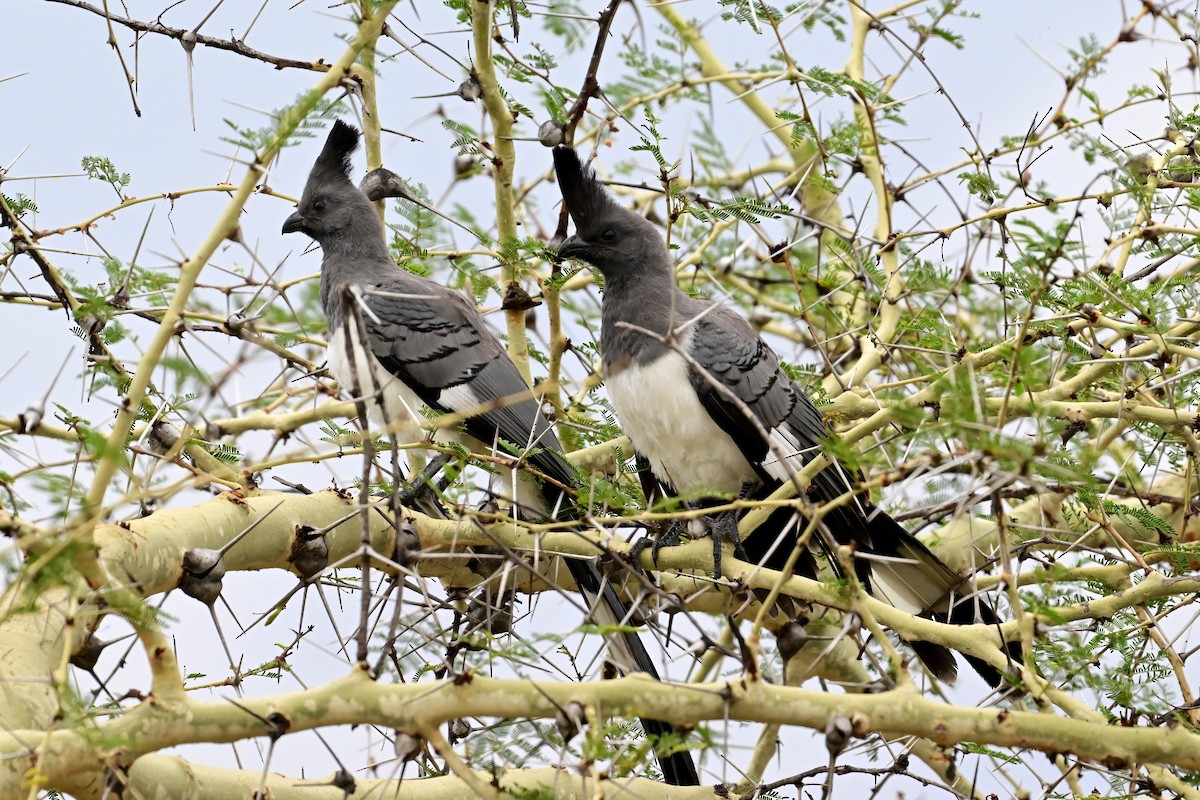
x=637, y=548
x=724, y=528
x=672, y=536
x=421, y=489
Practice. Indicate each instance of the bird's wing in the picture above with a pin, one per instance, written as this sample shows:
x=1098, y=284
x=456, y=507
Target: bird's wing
x=436, y=342
x=743, y=387
x=902, y=571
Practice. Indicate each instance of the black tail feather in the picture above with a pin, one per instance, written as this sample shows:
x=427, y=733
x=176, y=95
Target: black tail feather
x=771, y=543
x=909, y=576
x=940, y=661
x=972, y=610
x=678, y=769
x=936, y=588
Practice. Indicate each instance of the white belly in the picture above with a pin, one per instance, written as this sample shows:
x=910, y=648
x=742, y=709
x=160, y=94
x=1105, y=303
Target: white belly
x=664, y=419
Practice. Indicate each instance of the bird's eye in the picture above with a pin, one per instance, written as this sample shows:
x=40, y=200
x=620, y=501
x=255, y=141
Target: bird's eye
x=318, y=205
x=609, y=235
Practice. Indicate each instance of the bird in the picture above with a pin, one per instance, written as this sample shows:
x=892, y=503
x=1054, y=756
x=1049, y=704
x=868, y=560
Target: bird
x=404, y=343
x=705, y=401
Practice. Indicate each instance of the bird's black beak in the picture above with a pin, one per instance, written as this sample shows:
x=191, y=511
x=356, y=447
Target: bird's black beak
x=294, y=223
x=574, y=247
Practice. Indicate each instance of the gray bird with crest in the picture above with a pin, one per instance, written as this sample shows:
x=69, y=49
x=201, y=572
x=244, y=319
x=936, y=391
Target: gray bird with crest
x=706, y=402
x=404, y=342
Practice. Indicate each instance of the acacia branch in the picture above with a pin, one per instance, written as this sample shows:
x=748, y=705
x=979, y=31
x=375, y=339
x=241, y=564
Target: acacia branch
x=231, y=45
x=356, y=699
x=504, y=157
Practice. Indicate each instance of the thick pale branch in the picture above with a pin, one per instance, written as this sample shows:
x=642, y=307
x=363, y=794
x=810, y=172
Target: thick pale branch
x=152, y=775
x=356, y=699
x=503, y=162
x=147, y=553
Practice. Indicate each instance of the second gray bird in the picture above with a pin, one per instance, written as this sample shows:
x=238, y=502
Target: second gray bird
x=704, y=399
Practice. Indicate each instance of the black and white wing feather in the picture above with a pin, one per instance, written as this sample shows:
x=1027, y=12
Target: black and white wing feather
x=436, y=342
x=744, y=389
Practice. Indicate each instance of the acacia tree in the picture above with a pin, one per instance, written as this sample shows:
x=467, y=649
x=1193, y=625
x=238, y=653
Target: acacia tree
x=1002, y=328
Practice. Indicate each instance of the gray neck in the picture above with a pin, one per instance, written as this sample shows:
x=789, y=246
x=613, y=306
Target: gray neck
x=634, y=307
x=358, y=256
x=363, y=239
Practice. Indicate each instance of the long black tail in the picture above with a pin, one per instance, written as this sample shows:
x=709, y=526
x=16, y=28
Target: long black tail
x=897, y=567
x=605, y=607
x=911, y=578
x=630, y=655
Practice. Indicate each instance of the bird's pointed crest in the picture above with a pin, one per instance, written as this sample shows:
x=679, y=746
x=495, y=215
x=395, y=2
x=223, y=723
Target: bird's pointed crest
x=586, y=198
x=334, y=161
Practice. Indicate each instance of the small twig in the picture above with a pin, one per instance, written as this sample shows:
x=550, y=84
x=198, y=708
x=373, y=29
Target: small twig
x=591, y=87
x=232, y=45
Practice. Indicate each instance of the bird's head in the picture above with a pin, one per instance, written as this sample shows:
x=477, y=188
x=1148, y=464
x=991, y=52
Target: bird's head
x=613, y=239
x=331, y=206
